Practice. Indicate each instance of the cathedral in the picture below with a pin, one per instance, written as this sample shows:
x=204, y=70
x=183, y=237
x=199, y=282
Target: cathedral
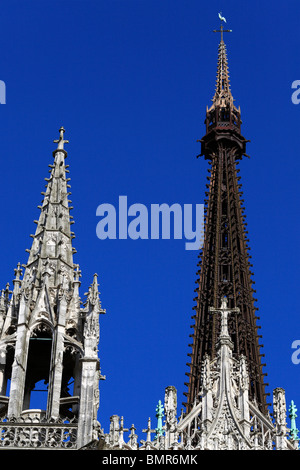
x=48, y=335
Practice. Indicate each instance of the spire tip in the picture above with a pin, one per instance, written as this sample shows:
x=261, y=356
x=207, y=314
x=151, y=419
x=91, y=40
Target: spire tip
x=61, y=140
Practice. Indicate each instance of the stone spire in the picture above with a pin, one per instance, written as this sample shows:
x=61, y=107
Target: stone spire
x=46, y=335
x=51, y=253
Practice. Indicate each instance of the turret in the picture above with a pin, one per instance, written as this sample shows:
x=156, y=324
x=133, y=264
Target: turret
x=47, y=337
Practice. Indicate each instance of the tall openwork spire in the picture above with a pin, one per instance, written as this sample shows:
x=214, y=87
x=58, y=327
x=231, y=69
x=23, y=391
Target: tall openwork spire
x=225, y=260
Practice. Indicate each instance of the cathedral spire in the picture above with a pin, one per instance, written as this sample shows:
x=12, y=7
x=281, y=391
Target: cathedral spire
x=223, y=114
x=222, y=96
x=45, y=334
x=225, y=260
x=52, y=240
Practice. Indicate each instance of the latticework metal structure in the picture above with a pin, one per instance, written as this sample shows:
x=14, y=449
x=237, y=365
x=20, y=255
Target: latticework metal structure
x=224, y=259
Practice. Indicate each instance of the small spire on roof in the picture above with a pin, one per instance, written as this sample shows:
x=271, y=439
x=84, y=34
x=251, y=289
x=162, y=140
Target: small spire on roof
x=292, y=415
x=61, y=140
x=77, y=273
x=18, y=271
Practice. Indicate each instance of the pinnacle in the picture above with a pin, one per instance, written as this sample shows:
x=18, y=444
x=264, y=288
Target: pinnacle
x=222, y=92
x=53, y=237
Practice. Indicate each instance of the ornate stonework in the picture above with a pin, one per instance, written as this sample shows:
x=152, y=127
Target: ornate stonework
x=46, y=335
x=222, y=417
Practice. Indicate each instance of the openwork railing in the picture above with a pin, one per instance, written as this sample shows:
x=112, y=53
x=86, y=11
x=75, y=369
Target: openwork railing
x=38, y=433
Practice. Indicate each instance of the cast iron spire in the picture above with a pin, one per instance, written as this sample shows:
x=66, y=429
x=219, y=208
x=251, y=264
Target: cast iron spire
x=224, y=259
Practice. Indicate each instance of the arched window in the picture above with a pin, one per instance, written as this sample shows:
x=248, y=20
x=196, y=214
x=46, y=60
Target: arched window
x=70, y=384
x=38, y=368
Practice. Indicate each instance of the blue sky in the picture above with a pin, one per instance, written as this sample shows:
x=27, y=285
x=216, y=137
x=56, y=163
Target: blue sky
x=130, y=80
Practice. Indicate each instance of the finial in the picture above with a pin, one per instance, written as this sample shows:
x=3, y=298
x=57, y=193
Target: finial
x=77, y=273
x=222, y=30
x=133, y=437
x=18, y=271
x=61, y=140
x=292, y=415
x=7, y=291
x=2, y=302
x=148, y=431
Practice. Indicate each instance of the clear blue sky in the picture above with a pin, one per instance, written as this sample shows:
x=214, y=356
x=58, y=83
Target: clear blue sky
x=130, y=80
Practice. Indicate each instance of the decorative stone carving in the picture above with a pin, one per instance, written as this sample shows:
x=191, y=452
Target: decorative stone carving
x=46, y=304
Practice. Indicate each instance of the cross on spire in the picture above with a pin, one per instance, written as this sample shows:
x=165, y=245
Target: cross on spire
x=224, y=311
x=222, y=30
x=61, y=140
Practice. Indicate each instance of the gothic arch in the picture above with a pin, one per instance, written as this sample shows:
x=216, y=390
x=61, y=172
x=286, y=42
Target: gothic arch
x=41, y=326
x=7, y=353
x=38, y=363
x=71, y=379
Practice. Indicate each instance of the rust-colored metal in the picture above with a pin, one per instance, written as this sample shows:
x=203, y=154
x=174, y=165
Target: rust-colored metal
x=224, y=259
